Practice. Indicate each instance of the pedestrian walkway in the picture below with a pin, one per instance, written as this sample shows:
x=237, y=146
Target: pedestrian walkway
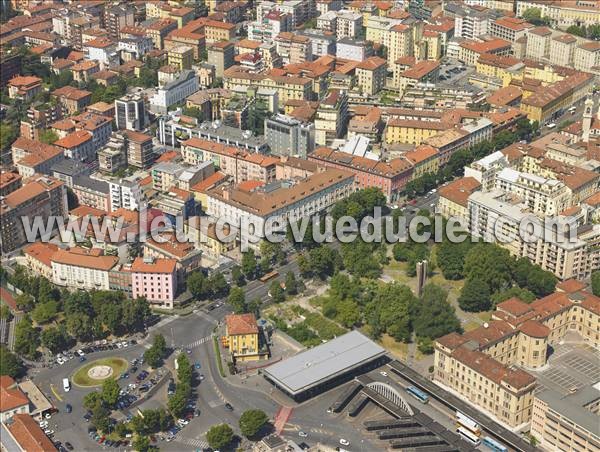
x=194, y=442
x=199, y=342
x=282, y=417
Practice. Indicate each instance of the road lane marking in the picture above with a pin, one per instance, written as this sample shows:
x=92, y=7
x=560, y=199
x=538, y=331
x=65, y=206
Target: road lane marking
x=55, y=393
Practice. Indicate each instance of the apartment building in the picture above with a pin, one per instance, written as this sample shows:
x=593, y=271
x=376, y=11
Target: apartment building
x=117, y=17
x=538, y=43
x=140, y=150
x=81, y=268
x=299, y=10
x=279, y=202
x=562, y=48
x=272, y=24
x=509, y=28
x=496, y=212
x=331, y=118
x=232, y=161
x=181, y=57
x=130, y=112
x=546, y=101
x=479, y=365
x=347, y=24
x=242, y=337
x=299, y=88
x=287, y=136
x=103, y=50
x=24, y=87
x=371, y=75
x=293, y=48
x=222, y=56
x=187, y=36
x=9, y=182
x=125, y=193
x=566, y=422
x=563, y=14
x=41, y=197
x=32, y=157
x=176, y=91
x=453, y=201
x=72, y=99
x=470, y=51
x=156, y=280
x=422, y=72
x=586, y=57
x=113, y=157
x=78, y=145
x=412, y=130
x=391, y=177
x=159, y=30
x=470, y=22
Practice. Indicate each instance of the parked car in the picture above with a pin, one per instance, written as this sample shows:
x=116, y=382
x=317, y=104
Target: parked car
x=68, y=408
x=228, y=406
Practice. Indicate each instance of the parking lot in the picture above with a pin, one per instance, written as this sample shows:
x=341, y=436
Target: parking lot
x=570, y=368
x=452, y=72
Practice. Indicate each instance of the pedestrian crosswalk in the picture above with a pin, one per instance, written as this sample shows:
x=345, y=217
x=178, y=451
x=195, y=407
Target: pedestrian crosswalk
x=194, y=442
x=199, y=342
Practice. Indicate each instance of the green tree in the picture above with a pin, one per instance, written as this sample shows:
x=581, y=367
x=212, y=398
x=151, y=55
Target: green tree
x=490, y=264
x=5, y=312
x=251, y=421
x=593, y=32
x=45, y=312
x=237, y=300
x=475, y=296
x=178, y=401
x=184, y=369
x=141, y=443
x=596, y=283
x=276, y=292
x=237, y=276
x=577, y=31
x=121, y=429
x=157, y=352
x=534, y=16
x=91, y=399
x=425, y=345
x=450, y=258
x=219, y=436
x=100, y=416
x=434, y=316
x=291, y=285
x=48, y=136
x=388, y=311
x=10, y=364
x=197, y=284
x=55, y=339
x=110, y=392
x=218, y=285
x=78, y=326
x=324, y=261
x=8, y=134
x=25, y=302
x=249, y=264
x=27, y=338
x=515, y=291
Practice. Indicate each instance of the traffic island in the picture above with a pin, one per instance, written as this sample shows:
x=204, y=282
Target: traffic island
x=95, y=372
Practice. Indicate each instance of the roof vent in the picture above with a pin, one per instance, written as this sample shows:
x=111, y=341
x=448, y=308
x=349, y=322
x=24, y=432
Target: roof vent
x=486, y=325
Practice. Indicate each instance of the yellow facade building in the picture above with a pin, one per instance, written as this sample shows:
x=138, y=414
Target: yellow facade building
x=425, y=159
x=181, y=57
x=506, y=68
x=412, y=131
x=480, y=365
x=241, y=337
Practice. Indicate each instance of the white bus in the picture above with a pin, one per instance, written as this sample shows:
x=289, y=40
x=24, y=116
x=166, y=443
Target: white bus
x=66, y=385
x=468, y=436
x=468, y=423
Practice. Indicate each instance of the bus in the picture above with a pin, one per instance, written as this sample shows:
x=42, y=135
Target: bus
x=418, y=394
x=66, y=385
x=266, y=277
x=494, y=445
x=468, y=423
x=468, y=436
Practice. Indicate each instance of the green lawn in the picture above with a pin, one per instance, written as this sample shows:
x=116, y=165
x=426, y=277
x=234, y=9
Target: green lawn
x=81, y=377
x=398, y=349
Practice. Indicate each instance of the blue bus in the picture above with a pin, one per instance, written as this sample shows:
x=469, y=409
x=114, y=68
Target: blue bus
x=494, y=445
x=418, y=394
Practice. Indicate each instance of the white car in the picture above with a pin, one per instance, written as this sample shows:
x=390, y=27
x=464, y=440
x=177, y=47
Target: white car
x=43, y=424
x=49, y=432
x=120, y=345
x=344, y=442
x=47, y=416
x=60, y=361
x=302, y=434
x=383, y=373
x=183, y=421
x=125, y=344
x=80, y=352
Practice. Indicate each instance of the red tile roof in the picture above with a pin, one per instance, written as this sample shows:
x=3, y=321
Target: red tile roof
x=28, y=434
x=458, y=191
x=156, y=266
x=41, y=251
x=74, y=139
x=241, y=324
x=11, y=396
x=514, y=306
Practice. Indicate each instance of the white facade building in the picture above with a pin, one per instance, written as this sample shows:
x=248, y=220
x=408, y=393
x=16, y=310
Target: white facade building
x=79, y=268
x=176, y=91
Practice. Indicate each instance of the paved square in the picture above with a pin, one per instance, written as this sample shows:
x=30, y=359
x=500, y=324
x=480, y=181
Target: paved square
x=571, y=367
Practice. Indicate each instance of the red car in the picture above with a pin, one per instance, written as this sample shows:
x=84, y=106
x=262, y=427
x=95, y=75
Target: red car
x=101, y=440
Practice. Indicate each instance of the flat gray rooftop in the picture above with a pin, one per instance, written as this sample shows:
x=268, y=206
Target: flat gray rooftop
x=319, y=364
x=573, y=407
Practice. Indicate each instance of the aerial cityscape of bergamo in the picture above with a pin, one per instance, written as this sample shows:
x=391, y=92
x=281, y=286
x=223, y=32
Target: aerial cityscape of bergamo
x=300, y=225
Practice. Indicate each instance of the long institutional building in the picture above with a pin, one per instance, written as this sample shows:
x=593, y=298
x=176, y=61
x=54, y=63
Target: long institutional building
x=488, y=366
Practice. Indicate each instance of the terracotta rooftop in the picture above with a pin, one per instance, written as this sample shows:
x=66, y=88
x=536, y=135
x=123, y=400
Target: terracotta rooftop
x=74, y=139
x=28, y=434
x=534, y=329
x=81, y=257
x=492, y=369
x=459, y=190
x=565, y=39
x=513, y=23
x=41, y=252
x=354, y=163
x=71, y=93
x=24, y=81
x=85, y=65
x=7, y=298
x=11, y=396
x=514, y=307
x=421, y=153
x=571, y=286
x=541, y=31
x=211, y=181
x=421, y=69
x=172, y=247
x=99, y=43
x=241, y=324
x=486, y=46
x=505, y=95
x=156, y=266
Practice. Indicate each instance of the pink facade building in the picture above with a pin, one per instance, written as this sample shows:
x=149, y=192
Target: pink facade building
x=155, y=279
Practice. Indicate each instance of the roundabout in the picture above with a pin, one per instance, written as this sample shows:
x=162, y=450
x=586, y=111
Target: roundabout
x=95, y=372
